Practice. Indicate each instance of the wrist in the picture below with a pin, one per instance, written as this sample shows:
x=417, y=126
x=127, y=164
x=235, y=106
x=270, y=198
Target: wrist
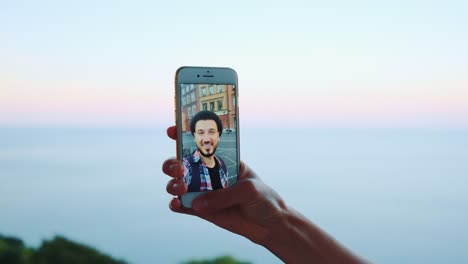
x=294, y=239
x=284, y=238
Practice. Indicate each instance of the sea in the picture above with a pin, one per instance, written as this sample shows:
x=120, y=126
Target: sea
x=391, y=195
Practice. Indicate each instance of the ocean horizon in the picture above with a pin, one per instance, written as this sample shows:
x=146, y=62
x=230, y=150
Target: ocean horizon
x=390, y=195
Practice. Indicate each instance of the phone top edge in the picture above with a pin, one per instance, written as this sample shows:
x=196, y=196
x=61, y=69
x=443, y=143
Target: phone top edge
x=203, y=67
x=198, y=75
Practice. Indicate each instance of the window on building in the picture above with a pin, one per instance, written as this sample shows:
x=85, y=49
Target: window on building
x=205, y=107
x=212, y=106
x=194, y=110
x=211, y=89
x=192, y=95
x=203, y=91
x=220, y=88
x=186, y=88
x=188, y=99
x=189, y=112
x=182, y=89
x=192, y=86
x=220, y=105
x=183, y=100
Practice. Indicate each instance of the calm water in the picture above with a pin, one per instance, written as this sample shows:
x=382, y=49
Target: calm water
x=394, y=196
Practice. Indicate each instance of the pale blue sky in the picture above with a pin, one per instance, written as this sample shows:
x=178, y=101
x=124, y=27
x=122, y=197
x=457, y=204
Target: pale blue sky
x=123, y=55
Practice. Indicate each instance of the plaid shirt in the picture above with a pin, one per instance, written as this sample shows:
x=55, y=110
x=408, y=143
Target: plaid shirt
x=205, y=181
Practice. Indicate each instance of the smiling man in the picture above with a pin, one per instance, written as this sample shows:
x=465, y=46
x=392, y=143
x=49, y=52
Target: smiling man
x=204, y=171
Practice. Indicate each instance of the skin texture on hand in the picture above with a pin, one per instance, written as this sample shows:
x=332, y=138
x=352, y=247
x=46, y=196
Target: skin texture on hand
x=252, y=209
x=248, y=208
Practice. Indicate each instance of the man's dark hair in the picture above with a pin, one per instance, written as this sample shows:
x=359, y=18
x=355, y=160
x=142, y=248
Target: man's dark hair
x=206, y=115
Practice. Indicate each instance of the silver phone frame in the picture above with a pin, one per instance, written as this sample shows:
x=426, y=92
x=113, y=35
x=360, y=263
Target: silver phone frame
x=202, y=75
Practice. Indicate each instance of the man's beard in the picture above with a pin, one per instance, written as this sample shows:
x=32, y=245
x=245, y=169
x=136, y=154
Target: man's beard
x=207, y=155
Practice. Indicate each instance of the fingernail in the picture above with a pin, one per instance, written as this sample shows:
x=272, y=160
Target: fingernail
x=172, y=167
x=175, y=186
x=200, y=204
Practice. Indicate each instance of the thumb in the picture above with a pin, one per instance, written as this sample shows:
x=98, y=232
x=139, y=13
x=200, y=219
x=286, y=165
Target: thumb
x=244, y=191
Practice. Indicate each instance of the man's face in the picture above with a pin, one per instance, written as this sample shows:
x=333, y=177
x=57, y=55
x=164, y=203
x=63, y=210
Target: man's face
x=206, y=137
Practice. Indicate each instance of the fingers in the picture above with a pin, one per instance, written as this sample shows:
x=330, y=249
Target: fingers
x=172, y=132
x=176, y=187
x=173, y=168
x=176, y=206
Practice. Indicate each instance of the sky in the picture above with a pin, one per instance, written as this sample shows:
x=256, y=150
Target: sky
x=300, y=63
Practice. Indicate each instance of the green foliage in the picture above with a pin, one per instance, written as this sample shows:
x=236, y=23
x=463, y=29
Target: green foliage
x=12, y=250
x=59, y=250
x=219, y=260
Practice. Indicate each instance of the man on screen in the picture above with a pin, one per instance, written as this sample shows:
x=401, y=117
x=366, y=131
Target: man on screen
x=204, y=171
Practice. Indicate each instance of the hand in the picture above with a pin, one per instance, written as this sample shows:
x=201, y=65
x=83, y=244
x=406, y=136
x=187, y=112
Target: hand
x=248, y=208
x=252, y=209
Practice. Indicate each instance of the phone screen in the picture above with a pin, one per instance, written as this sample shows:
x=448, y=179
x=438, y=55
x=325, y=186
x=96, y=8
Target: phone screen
x=209, y=135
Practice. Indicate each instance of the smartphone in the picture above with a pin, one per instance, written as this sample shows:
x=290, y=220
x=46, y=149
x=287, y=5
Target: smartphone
x=207, y=120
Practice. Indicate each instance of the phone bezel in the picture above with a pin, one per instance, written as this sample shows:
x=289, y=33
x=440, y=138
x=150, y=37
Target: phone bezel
x=202, y=75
